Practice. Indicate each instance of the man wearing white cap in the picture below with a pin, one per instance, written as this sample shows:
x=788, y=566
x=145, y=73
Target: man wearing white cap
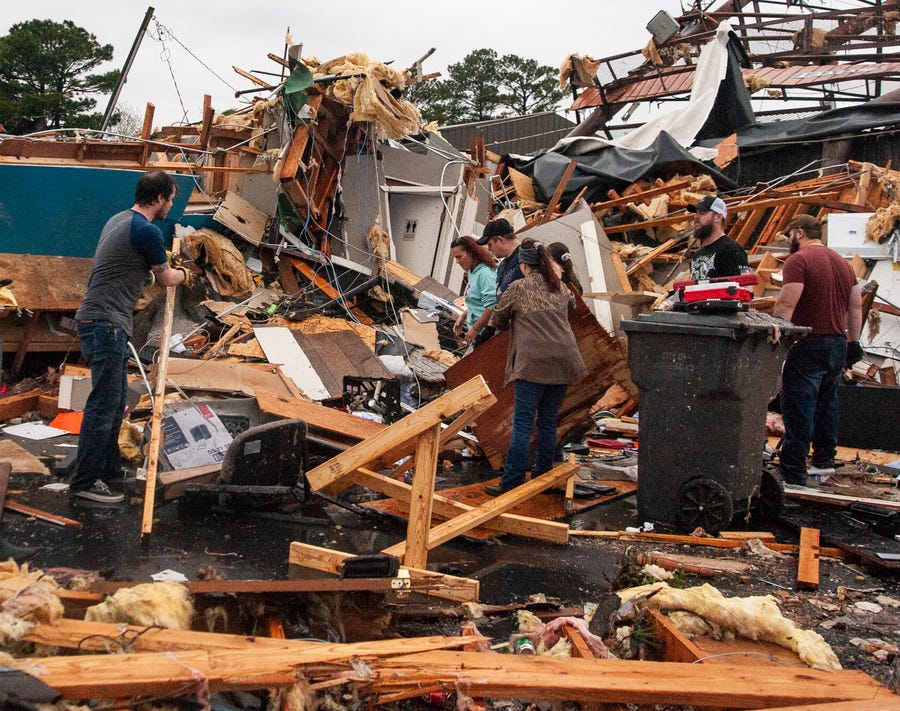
x=719, y=255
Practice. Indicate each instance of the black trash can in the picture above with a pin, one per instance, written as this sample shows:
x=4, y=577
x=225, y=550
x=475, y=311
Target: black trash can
x=705, y=382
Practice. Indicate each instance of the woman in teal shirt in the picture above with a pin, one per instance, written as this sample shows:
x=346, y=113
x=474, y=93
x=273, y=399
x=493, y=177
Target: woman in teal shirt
x=481, y=293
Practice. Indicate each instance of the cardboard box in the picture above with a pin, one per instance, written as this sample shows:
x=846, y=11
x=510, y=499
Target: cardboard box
x=194, y=438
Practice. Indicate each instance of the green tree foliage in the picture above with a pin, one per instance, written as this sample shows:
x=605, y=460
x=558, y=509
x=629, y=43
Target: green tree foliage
x=46, y=78
x=485, y=86
x=528, y=87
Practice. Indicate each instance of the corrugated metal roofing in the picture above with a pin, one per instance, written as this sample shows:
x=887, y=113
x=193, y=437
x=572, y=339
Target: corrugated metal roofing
x=517, y=134
x=679, y=80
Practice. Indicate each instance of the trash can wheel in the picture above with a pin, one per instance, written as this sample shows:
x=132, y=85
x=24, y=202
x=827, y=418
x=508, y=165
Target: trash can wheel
x=705, y=503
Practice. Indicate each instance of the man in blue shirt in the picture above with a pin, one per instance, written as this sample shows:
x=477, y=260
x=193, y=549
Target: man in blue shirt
x=130, y=245
x=499, y=237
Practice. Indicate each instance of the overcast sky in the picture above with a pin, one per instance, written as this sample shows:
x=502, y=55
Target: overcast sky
x=225, y=33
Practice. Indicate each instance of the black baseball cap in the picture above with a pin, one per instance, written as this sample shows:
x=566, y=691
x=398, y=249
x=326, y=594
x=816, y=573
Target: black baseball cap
x=495, y=228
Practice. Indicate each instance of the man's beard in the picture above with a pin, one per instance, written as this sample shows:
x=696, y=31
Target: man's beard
x=794, y=246
x=701, y=232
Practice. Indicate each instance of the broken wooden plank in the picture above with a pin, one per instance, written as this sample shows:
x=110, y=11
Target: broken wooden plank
x=447, y=508
x=17, y=405
x=478, y=515
x=150, y=674
x=318, y=417
x=619, y=681
x=650, y=256
x=558, y=193
x=426, y=582
x=41, y=515
x=808, y=560
x=329, y=474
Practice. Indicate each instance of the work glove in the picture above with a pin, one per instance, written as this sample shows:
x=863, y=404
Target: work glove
x=854, y=354
x=188, y=275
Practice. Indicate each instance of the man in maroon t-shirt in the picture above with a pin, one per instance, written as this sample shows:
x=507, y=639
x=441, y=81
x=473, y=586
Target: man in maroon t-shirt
x=819, y=291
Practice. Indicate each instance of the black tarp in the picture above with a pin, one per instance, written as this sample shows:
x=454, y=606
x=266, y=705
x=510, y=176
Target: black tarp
x=611, y=167
x=849, y=121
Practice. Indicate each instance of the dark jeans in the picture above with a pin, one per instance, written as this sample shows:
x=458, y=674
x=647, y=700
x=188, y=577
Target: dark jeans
x=104, y=346
x=533, y=402
x=809, y=403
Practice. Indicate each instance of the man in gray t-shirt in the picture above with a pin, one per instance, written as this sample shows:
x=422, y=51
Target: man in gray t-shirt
x=129, y=246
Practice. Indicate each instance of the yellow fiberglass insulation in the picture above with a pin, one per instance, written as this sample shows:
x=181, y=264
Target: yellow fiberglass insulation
x=27, y=595
x=165, y=605
x=370, y=96
x=755, y=617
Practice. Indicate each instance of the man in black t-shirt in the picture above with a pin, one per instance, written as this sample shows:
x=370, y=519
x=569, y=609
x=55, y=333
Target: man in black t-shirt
x=719, y=255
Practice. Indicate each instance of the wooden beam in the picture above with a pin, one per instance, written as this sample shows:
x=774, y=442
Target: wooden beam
x=557, y=194
x=329, y=474
x=150, y=674
x=619, y=681
x=156, y=417
x=427, y=449
x=621, y=272
x=491, y=509
x=808, y=560
x=427, y=582
x=317, y=417
x=445, y=508
x=675, y=646
x=650, y=256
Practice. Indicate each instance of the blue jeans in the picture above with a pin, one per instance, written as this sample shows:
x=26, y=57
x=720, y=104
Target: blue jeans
x=533, y=402
x=809, y=404
x=104, y=346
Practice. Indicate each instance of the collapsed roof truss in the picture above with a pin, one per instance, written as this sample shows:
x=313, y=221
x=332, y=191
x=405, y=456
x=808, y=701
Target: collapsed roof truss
x=806, y=54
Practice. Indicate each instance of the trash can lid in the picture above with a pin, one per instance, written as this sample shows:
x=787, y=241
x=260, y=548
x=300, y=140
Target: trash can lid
x=703, y=324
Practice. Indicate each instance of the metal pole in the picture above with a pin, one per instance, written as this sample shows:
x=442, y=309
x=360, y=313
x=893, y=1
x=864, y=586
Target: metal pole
x=123, y=77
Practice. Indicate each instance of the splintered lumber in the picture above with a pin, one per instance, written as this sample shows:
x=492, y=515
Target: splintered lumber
x=700, y=541
x=617, y=681
x=329, y=475
x=808, y=560
x=427, y=582
x=491, y=509
x=124, y=675
x=5, y=471
x=446, y=508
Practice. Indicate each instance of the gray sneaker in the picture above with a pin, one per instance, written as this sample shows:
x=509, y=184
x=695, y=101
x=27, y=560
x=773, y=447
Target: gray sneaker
x=99, y=491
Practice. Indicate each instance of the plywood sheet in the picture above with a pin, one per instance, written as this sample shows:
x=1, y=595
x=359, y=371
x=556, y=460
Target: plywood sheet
x=281, y=348
x=43, y=283
x=338, y=353
x=223, y=376
x=241, y=217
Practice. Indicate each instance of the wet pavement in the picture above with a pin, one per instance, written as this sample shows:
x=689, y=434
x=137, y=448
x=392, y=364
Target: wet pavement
x=243, y=543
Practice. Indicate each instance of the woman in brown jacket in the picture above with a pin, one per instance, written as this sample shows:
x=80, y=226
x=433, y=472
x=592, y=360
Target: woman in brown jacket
x=542, y=359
